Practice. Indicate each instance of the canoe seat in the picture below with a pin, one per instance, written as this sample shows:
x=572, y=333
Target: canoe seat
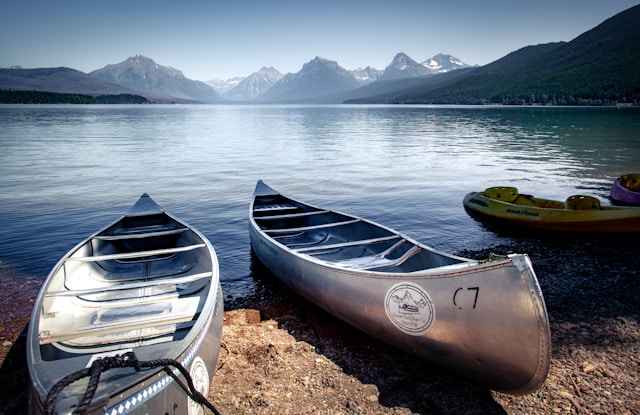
x=580, y=202
x=502, y=193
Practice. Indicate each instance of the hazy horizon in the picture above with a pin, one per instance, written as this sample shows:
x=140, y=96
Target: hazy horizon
x=207, y=41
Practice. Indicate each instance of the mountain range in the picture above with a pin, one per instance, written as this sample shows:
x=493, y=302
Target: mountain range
x=317, y=77
x=59, y=80
x=599, y=66
x=142, y=74
x=249, y=87
x=319, y=80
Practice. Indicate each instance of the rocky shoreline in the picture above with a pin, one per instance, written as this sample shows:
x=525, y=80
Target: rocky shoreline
x=283, y=355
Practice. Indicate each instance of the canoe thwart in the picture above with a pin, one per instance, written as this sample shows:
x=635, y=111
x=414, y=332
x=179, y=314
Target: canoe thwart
x=138, y=323
x=138, y=254
x=308, y=228
x=270, y=208
x=346, y=244
x=140, y=235
x=158, y=282
x=293, y=215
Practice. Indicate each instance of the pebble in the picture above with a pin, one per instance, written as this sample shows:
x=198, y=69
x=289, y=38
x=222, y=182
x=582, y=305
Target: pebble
x=588, y=367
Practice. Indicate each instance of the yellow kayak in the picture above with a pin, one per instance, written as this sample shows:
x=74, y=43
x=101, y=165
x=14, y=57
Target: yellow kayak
x=505, y=206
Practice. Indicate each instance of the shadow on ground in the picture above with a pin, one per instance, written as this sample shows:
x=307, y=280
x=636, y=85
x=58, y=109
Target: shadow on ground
x=590, y=287
x=402, y=380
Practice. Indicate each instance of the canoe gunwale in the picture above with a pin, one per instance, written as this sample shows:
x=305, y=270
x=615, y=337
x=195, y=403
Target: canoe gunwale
x=196, y=333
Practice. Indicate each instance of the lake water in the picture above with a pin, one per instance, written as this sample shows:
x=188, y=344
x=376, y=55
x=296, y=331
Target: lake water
x=65, y=171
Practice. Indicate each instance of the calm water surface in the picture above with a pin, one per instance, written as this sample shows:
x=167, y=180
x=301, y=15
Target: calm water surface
x=65, y=171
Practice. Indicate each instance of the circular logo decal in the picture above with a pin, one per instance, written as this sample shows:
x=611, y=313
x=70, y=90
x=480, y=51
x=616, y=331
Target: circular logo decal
x=409, y=308
x=200, y=377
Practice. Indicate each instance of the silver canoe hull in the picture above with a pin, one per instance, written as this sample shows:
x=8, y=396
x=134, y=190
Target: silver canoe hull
x=147, y=283
x=486, y=321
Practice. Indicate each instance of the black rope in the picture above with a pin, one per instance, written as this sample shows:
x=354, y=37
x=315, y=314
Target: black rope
x=128, y=359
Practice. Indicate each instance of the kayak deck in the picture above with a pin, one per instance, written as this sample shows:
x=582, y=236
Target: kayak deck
x=505, y=206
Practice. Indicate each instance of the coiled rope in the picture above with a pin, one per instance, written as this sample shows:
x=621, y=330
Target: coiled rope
x=128, y=359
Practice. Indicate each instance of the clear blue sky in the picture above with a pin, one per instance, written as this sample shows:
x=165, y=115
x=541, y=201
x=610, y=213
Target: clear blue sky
x=208, y=39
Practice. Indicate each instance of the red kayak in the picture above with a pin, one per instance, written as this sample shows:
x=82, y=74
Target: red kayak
x=626, y=190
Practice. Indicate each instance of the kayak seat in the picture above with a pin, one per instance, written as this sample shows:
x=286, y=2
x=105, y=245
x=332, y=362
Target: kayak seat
x=549, y=204
x=581, y=202
x=631, y=182
x=525, y=200
x=502, y=193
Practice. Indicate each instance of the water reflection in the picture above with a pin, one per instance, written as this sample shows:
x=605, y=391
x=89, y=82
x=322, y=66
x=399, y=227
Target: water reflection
x=66, y=170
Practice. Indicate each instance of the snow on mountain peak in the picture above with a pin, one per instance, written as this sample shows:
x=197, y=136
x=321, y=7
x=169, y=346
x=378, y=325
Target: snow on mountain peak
x=402, y=66
x=443, y=62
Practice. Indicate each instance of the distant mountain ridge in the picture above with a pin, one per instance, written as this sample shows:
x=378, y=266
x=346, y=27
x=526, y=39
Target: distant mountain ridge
x=222, y=86
x=44, y=97
x=402, y=66
x=58, y=80
x=254, y=85
x=317, y=78
x=599, y=66
x=367, y=75
x=443, y=62
x=143, y=74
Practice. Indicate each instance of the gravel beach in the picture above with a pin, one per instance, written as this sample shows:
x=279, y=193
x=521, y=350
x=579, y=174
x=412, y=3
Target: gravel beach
x=281, y=354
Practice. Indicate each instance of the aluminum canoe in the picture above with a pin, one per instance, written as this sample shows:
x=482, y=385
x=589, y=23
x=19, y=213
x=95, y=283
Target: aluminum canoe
x=146, y=283
x=484, y=320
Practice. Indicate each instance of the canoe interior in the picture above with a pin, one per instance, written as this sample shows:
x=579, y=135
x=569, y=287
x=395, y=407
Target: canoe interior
x=144, y=283
x=123, y=301
x=341, y=240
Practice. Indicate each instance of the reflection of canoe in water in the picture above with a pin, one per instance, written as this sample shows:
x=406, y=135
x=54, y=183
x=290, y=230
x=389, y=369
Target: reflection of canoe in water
x=506, y=207
x=145, y=287
x=626, y=190
x=485, y=320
